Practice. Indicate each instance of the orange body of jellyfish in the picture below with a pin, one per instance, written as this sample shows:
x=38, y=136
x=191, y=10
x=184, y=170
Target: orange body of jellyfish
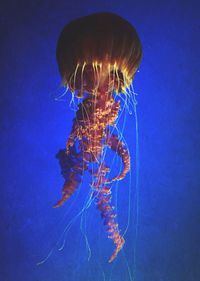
x=97, y=56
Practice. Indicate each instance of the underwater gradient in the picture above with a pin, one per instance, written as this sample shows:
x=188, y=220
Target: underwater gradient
x=161, y=217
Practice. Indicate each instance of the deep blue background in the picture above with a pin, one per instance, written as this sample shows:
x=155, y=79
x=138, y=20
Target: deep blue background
x=34, y=126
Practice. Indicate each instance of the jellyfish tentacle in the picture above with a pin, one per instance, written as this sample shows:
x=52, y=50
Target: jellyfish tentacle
x=71, y=141
x=88, y=141
x=103, y=198
x=119, y=147
x=72, y=167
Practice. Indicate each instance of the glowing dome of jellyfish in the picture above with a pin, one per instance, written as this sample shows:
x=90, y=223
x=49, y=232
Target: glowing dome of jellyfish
x=98, y=49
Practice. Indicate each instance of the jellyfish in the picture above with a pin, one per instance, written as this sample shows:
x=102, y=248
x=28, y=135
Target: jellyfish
x=97, y=56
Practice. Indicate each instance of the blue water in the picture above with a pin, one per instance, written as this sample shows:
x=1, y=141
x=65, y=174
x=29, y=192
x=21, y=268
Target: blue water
x=34, y=127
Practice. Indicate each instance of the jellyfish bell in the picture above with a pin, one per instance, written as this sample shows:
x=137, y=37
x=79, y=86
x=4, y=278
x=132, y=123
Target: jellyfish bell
x=98, y=53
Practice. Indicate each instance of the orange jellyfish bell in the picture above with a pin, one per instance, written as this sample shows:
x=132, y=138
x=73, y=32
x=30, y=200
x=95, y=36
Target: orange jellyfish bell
x=98, y=49
x=97, y=56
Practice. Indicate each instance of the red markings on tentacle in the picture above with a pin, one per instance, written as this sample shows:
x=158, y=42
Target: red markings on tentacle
x=72, y=167
x=68, y=189
x=88, y=139
x=118, y=146
x=103, y=198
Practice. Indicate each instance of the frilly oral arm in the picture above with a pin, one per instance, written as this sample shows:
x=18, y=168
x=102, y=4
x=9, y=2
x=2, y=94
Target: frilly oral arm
x=72, y=167
x=103, y=197
x=118, y=146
